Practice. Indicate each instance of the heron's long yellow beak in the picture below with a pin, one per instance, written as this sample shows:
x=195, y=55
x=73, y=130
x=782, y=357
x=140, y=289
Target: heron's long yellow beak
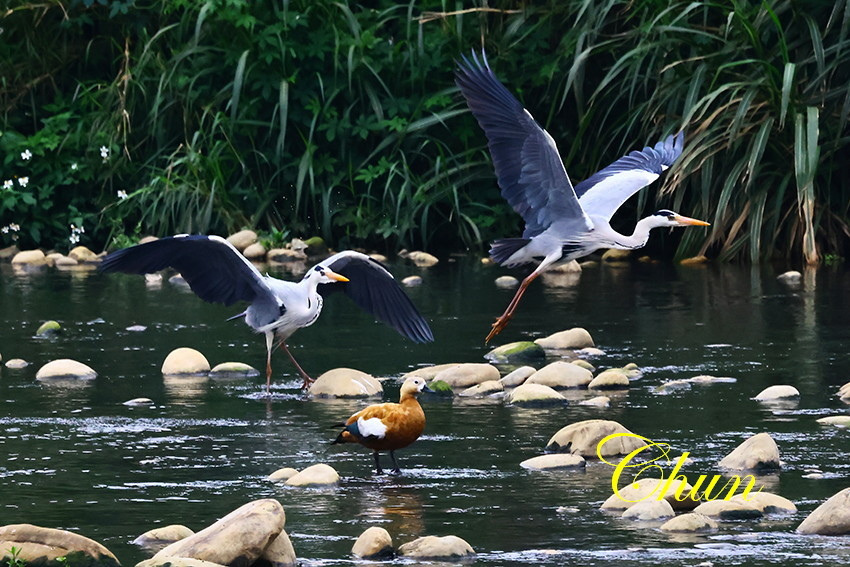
x=688, y=221
x=335, y=276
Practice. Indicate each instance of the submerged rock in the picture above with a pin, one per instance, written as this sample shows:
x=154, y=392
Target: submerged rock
x=315, y=475
x=139, y=402
x=433, y=547
x=65, y=368
x=609, y=380
x=649, y=510
x=554, y=461
x=233, y=370
x=650, y=490
x=583, y=437
x=598, y=401
x=186, y=361
x=506, y=282
x=729, y=510
x=758, y=453
x=572, y=339
x=516, y=353
x=16, y=363
x=412, y=281
x=836, y=420
x=792, y=278
x=48, y=328
x=534, y=394
x=689, y=523
x=778, y=392
x=374, y=543
x=282, y=475
x=767, y=502
x=561, y=375
x=830, y=518
x=158, y=538
x=286, y=256
x=345, y=383
x=38, y=546
x=483, y=389
x=468, y=374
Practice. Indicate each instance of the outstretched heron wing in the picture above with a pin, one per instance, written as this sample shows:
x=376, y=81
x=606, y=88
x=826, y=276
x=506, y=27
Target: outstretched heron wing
x=375, y=290
x=605, y=191
x=212, y=267
x=528, y=168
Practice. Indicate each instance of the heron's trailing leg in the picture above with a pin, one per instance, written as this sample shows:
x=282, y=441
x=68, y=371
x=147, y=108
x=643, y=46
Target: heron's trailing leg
x=502, y=320
x=304, y=375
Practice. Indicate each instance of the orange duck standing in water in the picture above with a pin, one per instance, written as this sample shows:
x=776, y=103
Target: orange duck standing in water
x=390, y=426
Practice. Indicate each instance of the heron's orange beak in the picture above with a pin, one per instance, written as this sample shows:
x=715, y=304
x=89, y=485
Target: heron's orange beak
x=688, y=221
x=335, y=276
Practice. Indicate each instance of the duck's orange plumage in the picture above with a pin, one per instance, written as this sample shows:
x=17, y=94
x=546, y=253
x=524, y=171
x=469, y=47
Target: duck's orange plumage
x=390, y=426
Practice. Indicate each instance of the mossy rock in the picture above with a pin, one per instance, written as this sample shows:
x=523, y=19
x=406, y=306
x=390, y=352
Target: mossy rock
x=316, y=246
x=518, y=352
x=441, y=388
x=48, y=328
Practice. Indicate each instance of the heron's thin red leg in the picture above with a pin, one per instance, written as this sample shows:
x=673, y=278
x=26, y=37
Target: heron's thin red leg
x=502, y=320
x=304, y=375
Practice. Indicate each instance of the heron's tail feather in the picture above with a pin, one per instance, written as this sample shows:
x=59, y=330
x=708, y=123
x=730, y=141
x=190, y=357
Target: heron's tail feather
x=504, y=248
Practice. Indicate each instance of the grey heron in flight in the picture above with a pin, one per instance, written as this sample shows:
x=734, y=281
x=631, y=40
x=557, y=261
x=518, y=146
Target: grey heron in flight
x=217, y=272
x=562, y=222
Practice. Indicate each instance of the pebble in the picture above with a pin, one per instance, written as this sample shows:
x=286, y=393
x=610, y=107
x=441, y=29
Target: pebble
x=412, y=281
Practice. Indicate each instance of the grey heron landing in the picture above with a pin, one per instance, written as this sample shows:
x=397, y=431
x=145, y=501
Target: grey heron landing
x=562, y=222
x=218, y=273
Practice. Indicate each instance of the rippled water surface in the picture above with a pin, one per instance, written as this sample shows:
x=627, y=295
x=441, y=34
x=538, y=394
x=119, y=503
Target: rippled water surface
x=75, y=457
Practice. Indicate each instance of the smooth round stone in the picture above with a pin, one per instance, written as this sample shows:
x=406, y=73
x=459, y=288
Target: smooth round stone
x=689, y=523
x=315, y=475
x=286, y=256
x=30, y=257
x=242, y=239
x=506, y=282
x=44, y=546
x=757, y=453
x=441, y=388
x=778, y=392
x=16, y=363
x=379, y=258
x=64, y=261
x=609, y=380
x=233, y=370
x=169, y=561
x=767, y=502
x=516, y=353
x=374, y=543
x=423, y=259
x=48, y=328
x=185, y=360
x=345, y=383
x=649, y=510
x=279, y=553
x=791, y=278
x=694, y=261
x=255, y=252
x=83, y=255
x=571, y=339
x=316, y=246
x=554, y=461
x=412, y=281
x=648, y=490
x=836, y=420
x=584, y=364
x=158, y=538
x=65, y=368
x=428, y=373
x=433, y=547
x=615, y=255
x=483, y=389
x=137, y=402
x=517, y=376
x=598, y=401
x=282, y=475
x=534, y=394
x=830, y=518
x=468, y=374
x=561, y=375
x=729, y=510
x=583, y=437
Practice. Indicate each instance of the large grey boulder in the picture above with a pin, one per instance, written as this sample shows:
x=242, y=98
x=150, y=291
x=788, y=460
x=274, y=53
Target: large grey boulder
x=374, y=543
x=345, y=383
x=238, y=539
x=561, y=375
x=433, y=547
x=830, y=518
x=583, y=437
x=758, y=453
x=39, y=546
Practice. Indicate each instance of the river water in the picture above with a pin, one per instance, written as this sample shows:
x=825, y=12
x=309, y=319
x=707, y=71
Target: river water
x=74, y=457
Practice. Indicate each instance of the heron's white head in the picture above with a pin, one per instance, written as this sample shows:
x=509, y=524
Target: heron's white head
x=320, y=275
x=665, y=217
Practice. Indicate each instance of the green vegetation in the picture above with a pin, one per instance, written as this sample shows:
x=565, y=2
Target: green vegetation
x=307, y=117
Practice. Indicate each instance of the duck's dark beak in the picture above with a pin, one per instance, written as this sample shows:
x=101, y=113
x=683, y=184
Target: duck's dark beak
x=425, y=388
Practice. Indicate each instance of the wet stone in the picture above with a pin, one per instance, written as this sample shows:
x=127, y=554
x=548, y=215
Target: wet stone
x=374, y=543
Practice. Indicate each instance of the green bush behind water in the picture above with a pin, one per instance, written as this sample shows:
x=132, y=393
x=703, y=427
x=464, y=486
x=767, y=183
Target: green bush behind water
x=341, y=118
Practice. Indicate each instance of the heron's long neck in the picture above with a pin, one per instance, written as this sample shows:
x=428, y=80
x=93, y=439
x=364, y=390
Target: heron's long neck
x=628, y=242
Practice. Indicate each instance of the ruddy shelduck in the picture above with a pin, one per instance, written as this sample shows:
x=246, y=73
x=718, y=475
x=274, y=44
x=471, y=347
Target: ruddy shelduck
x=389, y=426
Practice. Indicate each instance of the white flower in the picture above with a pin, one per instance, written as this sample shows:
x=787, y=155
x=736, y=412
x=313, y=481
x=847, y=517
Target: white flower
x=74, y=238
x=5, y=230
x=104, y=152
x=26, y=155
x=22, y=181
x=121, y=195
x=8, y=184
x=14, y=227
x=74, y=166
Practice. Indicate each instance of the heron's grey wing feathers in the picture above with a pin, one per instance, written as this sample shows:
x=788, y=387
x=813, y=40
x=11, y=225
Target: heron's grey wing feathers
x=212, y=267
x=373, y=289
x=601, y=194
x=528, y=168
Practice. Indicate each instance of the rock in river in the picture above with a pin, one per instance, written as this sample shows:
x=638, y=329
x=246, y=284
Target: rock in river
x=778, y=392
x=836, y=420
x=758, y=453
x=517, y=376
x=315, y=475
x=830, y=518
x=282, y=475
x=520, y=352
x=65, y=368
x=610, y=380
x=534, y=394
x=158, y=538
x=506, y=282
x=767, y=502
x=729, y=510
x=345, y=383
x=240, y=538
x=30, y=258
x=186, y=361
x=553, y=461
x=561, y=375
x=48, y=328
x=39, y=546
x=433, y=547
x=689, y=523
x=233, y=370
x=574, y=338
x=468, y=374
x=649, y=510
x=374, y=543
x=583, y=437
x=676, y=492
x=483, y=389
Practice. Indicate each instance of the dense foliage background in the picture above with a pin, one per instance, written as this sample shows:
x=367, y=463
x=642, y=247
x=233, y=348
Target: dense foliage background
x=340, y=118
